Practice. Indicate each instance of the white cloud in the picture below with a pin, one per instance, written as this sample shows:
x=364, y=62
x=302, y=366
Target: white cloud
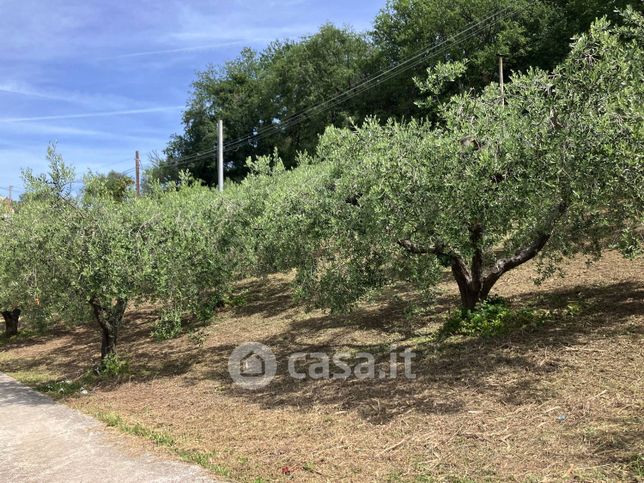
x=124, y=112
x=175, y=50
x=95, y=100
x=57, y=131
x=72, y=28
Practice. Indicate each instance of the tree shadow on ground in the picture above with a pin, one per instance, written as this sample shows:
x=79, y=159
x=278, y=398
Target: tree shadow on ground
x=74, y=352
x=391, y=311
x=618, y=444
x=266, y=297
x=508, y=369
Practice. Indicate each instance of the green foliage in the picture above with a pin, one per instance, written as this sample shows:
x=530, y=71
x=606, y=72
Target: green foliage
x=113, y=366
x=555, y=170
x=81, y=258
x=61, y=389
x=437, y=78
x=260, y=90
x=23, y=336
x=164, y=439
x=115, y=185
x=494, y=317
x=193, y=249
x=159, y=438
x=490, y=318
x=168, y=326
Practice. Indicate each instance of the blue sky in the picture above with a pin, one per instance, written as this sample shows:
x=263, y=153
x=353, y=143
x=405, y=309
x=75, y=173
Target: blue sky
x=103, y=79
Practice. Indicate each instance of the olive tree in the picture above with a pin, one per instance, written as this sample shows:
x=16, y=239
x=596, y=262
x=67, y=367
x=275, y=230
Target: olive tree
x=87, y=255
x=29, y=273
x=191, y=248
x=78, y=256
x=552, y=169
x=14, y=281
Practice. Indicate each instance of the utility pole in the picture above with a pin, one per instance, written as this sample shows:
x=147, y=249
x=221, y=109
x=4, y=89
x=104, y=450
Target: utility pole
x=137, y=167
x=11, y=196
x=501, y=81
x=220, y=157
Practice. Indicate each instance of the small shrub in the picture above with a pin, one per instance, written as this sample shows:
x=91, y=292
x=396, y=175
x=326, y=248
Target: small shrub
x=237, y=300
x=59, y=389
x=197, y=337
x=113, y=366
x=490, y=318
x=168, y=326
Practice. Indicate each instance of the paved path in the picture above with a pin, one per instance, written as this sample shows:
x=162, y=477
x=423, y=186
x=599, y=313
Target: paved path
x=43, y=441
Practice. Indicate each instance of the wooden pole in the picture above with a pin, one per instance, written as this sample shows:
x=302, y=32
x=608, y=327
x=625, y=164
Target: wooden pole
x=137, y=166
x=11, y=196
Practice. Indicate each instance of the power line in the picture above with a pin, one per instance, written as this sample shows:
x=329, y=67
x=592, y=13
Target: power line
x=385, y=75
x=417, y=59
x=420, y=57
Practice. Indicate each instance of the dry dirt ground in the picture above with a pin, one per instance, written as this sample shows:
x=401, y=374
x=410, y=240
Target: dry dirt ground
x=558, y=401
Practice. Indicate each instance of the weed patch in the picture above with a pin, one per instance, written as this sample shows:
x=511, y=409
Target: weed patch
x=163, y=439
x=494, y=317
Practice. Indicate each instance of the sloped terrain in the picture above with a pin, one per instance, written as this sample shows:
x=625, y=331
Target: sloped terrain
x=554, y=401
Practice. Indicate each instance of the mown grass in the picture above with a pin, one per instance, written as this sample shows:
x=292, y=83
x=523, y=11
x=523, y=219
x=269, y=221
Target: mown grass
x=24, y=335
x=486, y=405
x=163, y=439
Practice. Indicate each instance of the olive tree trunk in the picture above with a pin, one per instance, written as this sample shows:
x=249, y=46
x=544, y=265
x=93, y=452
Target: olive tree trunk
x=474, y=285
x=11, y=319
x=109, y=321
x=475, y=282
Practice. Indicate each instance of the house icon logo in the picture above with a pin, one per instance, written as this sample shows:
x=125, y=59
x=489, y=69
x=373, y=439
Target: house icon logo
x=252, y=365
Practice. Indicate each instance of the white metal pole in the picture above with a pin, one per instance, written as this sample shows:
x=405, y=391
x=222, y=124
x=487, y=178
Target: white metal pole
x=501, y=80
x=220, y=158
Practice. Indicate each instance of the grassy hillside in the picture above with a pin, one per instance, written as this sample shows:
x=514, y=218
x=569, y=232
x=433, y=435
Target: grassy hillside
x=559, y=399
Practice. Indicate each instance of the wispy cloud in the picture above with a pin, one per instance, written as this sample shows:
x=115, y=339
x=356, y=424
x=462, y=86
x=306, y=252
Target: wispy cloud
x=124, y=112
x=21, y=89
x=97, y=101
x=108, y=78
x=249, y=35
x=55, y=130
x=195, y=48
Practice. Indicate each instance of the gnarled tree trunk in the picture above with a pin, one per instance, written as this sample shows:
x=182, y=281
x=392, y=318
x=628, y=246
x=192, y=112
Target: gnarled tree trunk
x=109, y=321
x=474, y=285
x=474, y=282
x=11, y=319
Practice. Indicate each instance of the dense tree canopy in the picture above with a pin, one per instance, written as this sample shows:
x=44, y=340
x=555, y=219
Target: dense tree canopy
x=263, y=90
x=114, y=184
x=83, y=257
x=257, y=91
x=554, y=170
x=550, y=169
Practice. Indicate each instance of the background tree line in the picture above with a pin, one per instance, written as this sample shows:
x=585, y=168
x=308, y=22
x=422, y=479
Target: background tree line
x=263, y=89
x=553, y=171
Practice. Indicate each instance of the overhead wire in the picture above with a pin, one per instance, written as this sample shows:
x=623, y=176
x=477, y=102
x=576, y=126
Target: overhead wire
x=418, y=58
x=415, y=60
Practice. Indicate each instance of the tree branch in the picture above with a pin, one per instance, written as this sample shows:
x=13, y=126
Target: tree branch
x=524, y=254
x=456, y=262
x=414, y=249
